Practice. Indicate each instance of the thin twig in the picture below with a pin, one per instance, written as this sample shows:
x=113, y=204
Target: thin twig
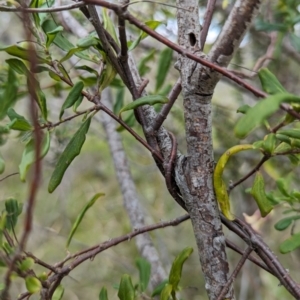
x=255, y=169
x=12, y=174
x=234, y=274
x=207, y=20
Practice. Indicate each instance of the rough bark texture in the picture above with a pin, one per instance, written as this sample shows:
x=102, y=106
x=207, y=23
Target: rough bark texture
x=195, y=172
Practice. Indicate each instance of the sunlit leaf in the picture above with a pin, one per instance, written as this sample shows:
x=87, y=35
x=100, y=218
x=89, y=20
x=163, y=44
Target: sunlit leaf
x=2, y=164
x=107, y=76
x=80, y=217
x=243, y=109
x=149, y=100
x=157, y=291
x=269, y=143
x=126, y=290
x=71, y=151
x=29, y=155
x=72, y=97
x=260, y=112
x=166, y=292
x=33, y=285
x=290, y=244
x=26, y=264
x=281, y=184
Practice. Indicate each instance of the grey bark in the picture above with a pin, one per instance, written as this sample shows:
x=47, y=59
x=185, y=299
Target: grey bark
x=195, y=172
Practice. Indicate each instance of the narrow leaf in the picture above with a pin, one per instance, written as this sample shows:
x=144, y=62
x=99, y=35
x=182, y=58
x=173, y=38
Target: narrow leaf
x=126, y=290
x=81, y=215
x=269, y=143
x=72, y=97
x=71, y=151
x=269, y=82
x=107, y=76
x=9, y=97
x=103, y=294
x=144, y=272
x=29, y=156
x=175, y=273
x=290, y=244
x=164, y=63
x=260, y=112
x=18, y=122
x=281, y=184
x=157, y=291
x=52, y=34
x=2, y=164
x=150, y=100
x=17, y=65
x=109, y=25
x=59, y=292
x=259, y=194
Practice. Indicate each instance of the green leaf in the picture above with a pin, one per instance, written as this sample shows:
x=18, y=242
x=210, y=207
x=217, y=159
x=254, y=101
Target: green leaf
x=17, y=65
x=282, y=147
x=293, y=133
x=151, y=24
x=62, y=42
x=164, y=63
x=77, y=103
x=9, y=97
x=107, y=76
x=144, y=272
x=59, y=292
x=33, y=285
x=73, y=51
x=286, y=222
x=39, y=96
x=175, y=273
x=243, y=109
x=158, y=289
x=259, y=194
x=261, y=25
x=119, y=100
x=142, y=67
x=281, y=184
x=166, y=292
x=36, y=17
x=26, y=264
x=71, y=151
x=18, y=122
x=126, y=290
x=260, y=112
x=23, y=53
x=13, y=209
x=130, y=121
x=72, y=97
x=88, y=69
x=290, y=244
x=295, y=41
x=150, y=100
x=52, y=34
x=81, y=215
x=29, y=155
x=2, y=164
x=103, y=294
x=109, y=25
x=269, y=143
x=269, y=82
